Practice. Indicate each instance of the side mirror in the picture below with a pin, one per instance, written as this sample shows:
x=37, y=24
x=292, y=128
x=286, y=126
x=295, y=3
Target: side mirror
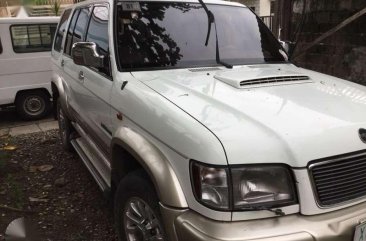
x=87, y=54
x=288, y=46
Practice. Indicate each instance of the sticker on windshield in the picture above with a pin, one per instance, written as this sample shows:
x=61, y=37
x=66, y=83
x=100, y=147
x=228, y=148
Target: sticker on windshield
x=131, y=6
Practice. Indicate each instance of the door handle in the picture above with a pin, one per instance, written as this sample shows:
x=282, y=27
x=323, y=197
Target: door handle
x=62, y=63
x=81, y=76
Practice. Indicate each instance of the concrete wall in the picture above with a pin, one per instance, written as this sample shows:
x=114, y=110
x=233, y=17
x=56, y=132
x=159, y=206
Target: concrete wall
x=344, y=53
x=265, y=8
x=262, y=7
x=252, y=4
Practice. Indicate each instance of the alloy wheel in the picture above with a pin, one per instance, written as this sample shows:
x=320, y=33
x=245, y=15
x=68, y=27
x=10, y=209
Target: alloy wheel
x=140, y=222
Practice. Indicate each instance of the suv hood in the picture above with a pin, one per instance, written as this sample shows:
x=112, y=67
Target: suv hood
x=292, y=121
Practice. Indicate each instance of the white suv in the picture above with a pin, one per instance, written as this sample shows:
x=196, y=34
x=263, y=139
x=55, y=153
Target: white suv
x=190, y=113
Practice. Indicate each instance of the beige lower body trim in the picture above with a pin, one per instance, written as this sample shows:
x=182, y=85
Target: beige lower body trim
x=334, y=226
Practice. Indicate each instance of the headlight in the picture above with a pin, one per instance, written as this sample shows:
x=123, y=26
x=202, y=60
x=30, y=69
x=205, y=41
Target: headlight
x=262, y=186
x=210, y=186
x=251, y=186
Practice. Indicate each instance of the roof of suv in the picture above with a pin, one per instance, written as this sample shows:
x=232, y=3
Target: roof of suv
x=183, y=1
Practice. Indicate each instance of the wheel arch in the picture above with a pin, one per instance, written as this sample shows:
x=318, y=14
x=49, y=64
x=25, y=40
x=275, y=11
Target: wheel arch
x=140, y=153
x=20, y=92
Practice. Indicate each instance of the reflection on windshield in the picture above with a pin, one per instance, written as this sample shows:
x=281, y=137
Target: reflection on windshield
x=166, y=35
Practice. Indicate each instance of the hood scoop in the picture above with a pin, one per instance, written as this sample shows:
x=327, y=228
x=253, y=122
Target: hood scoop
x=204, y=69
x=271, y=80
x=263, y=77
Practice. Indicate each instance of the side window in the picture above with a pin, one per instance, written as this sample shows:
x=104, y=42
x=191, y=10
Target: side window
x=70, y=32
x=98, y=28
x=81, y=23
x=98, y=32
x=32, y=38
x=61, y=30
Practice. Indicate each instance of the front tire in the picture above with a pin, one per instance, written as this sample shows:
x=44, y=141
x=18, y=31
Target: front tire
x=136, y=209
x=33, y=105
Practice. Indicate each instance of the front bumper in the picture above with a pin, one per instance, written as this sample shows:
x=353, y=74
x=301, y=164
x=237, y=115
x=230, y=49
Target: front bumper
x=334, y=226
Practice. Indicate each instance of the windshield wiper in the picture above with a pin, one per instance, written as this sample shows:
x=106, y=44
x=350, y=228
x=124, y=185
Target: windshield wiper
x=211, y=19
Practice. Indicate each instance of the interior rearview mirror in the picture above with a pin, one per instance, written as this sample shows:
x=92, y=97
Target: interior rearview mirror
x=87, y=54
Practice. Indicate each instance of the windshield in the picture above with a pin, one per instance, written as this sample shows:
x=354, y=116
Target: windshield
x=171, y=34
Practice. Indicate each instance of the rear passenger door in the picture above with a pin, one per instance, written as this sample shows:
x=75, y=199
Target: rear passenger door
x=98, y=81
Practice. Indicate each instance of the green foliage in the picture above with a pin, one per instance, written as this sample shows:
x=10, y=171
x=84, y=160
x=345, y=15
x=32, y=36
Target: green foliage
x=39, y=2
x=56, y=7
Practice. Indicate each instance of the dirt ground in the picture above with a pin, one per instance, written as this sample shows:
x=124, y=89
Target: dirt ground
x=52, y=189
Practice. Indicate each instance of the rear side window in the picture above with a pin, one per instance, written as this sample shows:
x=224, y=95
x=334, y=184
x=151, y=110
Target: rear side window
x=61, y=30
x=32, y=37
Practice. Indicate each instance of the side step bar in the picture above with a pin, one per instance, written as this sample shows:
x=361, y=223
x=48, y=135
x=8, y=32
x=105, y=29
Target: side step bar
x=79, y=148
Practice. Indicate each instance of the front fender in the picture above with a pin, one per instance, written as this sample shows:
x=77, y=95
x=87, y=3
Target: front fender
x=155, y=163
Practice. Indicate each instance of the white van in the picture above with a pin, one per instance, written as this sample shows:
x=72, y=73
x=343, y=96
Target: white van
x=25, y=66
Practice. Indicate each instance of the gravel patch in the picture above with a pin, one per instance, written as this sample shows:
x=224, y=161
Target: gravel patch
x=53, y=189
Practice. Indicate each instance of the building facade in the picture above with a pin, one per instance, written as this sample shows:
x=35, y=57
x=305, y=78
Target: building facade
x=260, y=7
x=342, y=53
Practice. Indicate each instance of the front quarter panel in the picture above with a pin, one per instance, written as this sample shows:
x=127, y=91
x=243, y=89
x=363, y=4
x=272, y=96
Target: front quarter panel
x=150, y=121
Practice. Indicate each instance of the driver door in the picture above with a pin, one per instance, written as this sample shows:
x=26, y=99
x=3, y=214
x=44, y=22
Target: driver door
x=98, y=82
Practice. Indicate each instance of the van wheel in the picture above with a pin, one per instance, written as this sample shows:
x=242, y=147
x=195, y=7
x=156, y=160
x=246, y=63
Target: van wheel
x=32, y=105
x=65, y=128
x=136, y=209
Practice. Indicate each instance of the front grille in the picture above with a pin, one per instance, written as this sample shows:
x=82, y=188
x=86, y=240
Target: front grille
x=271, y=80
x=340, y=178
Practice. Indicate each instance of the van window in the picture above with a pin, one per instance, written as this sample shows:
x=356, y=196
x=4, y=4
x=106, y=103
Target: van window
x=32, y=37
x=98, y=32
x=70, y=32
x=61, y=30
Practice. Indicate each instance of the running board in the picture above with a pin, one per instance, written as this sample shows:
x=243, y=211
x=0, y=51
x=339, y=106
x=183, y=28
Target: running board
x=79, y=148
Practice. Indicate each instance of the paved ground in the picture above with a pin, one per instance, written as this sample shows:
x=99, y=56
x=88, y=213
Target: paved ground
x=11, y=124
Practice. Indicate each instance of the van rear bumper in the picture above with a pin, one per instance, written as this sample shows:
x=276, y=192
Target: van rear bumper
x=334, y=226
